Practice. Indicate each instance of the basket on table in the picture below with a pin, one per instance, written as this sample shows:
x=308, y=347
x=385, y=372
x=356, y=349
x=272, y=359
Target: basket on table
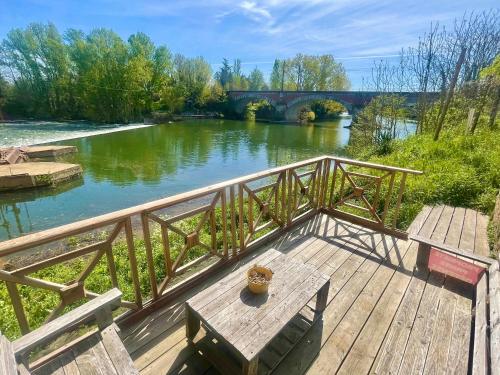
x=259, y=278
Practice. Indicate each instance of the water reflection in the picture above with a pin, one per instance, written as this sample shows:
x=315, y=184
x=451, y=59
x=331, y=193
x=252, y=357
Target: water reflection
x=131, y=167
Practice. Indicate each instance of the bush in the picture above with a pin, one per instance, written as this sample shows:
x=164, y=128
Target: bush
x=306, y=115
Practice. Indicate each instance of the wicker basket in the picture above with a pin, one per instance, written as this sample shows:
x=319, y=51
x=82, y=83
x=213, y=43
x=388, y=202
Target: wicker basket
x=256, y=284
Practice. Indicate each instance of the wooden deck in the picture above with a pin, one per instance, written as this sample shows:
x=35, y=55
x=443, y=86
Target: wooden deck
x=381, y=317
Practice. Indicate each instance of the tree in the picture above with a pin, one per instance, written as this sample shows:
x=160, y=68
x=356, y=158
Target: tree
x=192, y=76
x=39, y=65
x=492, y=75
x=256, y=80
x=224, y=74
x=313, y=73
x=95, y=76
x=4, y=87
x=275, y=79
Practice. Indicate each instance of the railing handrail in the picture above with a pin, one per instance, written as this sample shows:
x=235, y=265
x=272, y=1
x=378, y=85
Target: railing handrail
x=374, y=165
x=53, y=234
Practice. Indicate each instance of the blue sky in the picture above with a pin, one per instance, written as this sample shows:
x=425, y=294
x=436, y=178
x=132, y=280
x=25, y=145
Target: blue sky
x=257, y=31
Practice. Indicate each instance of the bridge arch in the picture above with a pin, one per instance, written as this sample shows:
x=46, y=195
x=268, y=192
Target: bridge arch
x=294, y=106
x=241, y=101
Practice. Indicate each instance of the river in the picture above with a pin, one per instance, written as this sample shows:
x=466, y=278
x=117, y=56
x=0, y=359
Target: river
x=144, y=163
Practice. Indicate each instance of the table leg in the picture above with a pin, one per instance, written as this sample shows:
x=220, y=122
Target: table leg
x=322, y=298
x=250, y=368
x=192, y=324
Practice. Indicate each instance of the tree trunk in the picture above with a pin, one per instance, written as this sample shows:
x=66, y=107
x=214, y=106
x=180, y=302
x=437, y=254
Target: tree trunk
x=449, y=96
x=474, y=119
x=494, y=109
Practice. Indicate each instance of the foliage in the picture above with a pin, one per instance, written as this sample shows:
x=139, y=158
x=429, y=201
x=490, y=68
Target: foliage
x=191, y=78
x=327, y=109
x=276, y=75
x=492, y=70
x=260, y=110
x=306, y=115
x=232, y=78
x=377, y=123
x=256, y=80
x=459, y=170
x=98, y=76
x=313, y=73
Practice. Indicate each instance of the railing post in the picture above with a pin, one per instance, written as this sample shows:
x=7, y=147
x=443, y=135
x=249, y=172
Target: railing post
x=232, y=210
x=18, y=307
x=400, y=196
x=223, y=205
x=242, y=217
x=149, y=254
x=133, y=261
x=289, y=198
x=283, y=199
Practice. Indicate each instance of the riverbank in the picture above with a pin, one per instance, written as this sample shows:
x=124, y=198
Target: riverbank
x=459, y=170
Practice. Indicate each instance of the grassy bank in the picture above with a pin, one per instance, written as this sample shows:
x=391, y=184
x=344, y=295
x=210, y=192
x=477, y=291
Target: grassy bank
x=459, y=170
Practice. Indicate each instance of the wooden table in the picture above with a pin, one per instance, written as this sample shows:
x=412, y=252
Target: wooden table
x=241, y=327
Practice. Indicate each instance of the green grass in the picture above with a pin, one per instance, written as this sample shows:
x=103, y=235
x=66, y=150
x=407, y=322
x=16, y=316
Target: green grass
x=459, y=170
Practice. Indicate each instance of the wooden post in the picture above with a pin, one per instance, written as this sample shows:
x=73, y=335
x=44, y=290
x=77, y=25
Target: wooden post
x=149, y=255
x=283, y=199
x=289, y=198
x=423, y=256
x=111, y=265
x=133, y=261
x=388, y=197
x=250, y=368
x=322, y=299
x=334, y=179
x=192, y=324
x=242, y=217
x=18, y=307
x=398, y=203
x=223, y=205
x=232, y=210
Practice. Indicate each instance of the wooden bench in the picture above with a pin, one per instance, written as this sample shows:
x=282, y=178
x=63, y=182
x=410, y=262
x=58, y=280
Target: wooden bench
x=102, y=350
x=486, y=349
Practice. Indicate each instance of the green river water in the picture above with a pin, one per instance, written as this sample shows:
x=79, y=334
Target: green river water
x=126, y=168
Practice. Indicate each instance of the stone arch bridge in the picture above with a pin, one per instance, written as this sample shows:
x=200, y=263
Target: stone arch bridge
x=290, y=102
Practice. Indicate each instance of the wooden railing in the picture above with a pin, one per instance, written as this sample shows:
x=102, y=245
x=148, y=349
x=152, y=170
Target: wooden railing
x=189, y=235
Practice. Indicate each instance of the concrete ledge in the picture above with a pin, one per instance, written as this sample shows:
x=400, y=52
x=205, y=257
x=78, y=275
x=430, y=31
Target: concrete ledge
x=48, y=151
x=30, y=175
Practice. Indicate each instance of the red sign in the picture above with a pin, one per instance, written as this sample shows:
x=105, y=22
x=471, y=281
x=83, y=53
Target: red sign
x=454, y=267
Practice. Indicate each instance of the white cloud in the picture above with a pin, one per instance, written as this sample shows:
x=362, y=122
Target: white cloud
x=255, y=12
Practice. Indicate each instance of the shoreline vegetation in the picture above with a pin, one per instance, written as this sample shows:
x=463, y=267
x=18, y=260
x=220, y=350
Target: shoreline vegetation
x=100, y=77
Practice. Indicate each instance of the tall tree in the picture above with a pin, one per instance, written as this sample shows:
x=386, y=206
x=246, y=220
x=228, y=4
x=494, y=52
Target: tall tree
x=224, y=74
x=256, y=80
x=192, y=76
x=312, y=73
x=275, y=79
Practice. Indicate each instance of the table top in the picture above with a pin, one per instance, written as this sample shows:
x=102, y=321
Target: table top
x=247, y=321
